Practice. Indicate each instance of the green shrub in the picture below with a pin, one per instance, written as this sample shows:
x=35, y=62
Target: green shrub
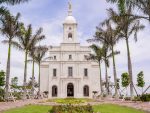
x=18, y=95
x=137, y=98
x=145, y=97
x=121, y=96
x=127, y=98
x=1, y=95
x=71, y=109
x=70, y=101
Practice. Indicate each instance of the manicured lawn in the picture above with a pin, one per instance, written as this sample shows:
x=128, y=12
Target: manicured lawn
x=105, y=108
x=110, y=108
x=30, y=109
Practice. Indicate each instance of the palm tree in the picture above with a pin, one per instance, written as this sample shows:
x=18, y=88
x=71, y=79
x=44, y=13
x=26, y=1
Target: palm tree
x=40, y=53
x=26, y=42
x=10, y=29
x=142, y=5
x=3, y=10
x=98, y=56
x=127, y=25
x=106, y=61
x=32, y=53
x=111, y=38
x=108, y=37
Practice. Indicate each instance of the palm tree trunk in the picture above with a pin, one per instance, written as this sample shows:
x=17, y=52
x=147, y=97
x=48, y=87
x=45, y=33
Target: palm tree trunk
x=39, y=77
x=115, y=74
x=32, y=90
x=25, y=74
x=129, y=68
x=146, y=89
x=106, y=75
x=101, y=85
x=8, y=72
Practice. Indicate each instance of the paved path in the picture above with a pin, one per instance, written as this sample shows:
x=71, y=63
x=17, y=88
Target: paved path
x=138, y=105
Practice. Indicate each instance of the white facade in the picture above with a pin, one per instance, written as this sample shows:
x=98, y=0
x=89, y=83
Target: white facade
x=68, y=73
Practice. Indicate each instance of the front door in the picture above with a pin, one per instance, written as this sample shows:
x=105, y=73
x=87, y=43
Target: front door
x=70, y=90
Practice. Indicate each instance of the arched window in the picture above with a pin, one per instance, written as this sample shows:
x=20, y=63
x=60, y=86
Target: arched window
x=70, y=35
x=86, y=91
x=54, y=91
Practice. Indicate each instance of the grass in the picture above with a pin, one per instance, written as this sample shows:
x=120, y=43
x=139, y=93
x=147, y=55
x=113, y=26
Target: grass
x=110, y=108
x=104, y=108
x=30, y=109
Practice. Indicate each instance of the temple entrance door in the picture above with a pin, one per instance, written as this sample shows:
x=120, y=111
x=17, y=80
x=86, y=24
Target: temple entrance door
x=70, y=90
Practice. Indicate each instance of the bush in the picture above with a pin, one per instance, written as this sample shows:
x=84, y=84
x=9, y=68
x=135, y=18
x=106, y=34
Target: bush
x=136, y=98
x=70, y=101
x=18, y=95
x=1, y=95
x=121, y=96
x=71, y=109
x=127, y=98
x=145, y=97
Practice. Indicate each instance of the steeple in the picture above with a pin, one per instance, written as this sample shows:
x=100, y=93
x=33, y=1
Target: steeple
x=69, y=8
x=70, y=27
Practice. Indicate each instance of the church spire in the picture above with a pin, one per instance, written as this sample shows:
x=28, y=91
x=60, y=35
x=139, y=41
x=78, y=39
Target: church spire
x=69, y=8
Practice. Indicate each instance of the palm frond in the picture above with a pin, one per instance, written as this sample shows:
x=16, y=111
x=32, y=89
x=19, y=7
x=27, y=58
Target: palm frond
x=5, y=41
x=3, y=11
x=12, y=2
x=115, y=53
x=16, y=45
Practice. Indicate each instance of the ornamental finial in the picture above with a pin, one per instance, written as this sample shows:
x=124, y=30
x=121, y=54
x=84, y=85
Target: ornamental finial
x=69, y=8
x=70, y=5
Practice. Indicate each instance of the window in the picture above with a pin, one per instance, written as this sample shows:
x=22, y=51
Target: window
x=70, y=28
x=70, y=71
x=86, y=57
x=54, y=91
x=54, y=72
x=54, y=57
x=86, y=91
x=85, y=72
x=70, y=57
x=70, y=35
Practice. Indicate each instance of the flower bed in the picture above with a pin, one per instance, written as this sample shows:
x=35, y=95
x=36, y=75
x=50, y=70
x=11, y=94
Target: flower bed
x=71, y=109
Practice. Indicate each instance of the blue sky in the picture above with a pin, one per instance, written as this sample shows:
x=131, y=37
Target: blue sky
x=50, y=15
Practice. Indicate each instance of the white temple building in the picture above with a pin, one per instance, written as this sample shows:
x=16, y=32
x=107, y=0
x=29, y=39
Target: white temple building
x=67, y=72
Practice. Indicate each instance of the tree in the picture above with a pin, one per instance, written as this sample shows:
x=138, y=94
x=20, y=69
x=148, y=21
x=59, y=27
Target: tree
x=108, y=37
x=97, y=56
x=111, y=38
x=26, y=40
x=32, y=54
x=14, y=82
x=3, y=10
x=38, y=37
x=2, y=79
x=40, y=53
x=125, y=80
x=10, y=29
x=118, y=84
x=127, y=25
x=142, y=5
x=2, y=84
x=140, y=80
